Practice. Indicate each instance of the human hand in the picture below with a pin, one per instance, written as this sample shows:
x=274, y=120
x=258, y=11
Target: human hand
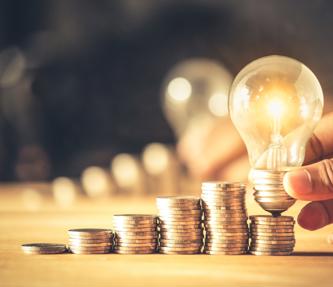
x=314, y=182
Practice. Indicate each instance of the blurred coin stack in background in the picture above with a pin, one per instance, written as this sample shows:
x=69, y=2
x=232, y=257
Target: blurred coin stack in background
x=135, y=233
x=181, y=229
x=225, y=218
x=272, y=235
x=90, y=241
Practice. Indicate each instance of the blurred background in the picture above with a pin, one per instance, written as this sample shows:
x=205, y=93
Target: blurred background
x=130, y=97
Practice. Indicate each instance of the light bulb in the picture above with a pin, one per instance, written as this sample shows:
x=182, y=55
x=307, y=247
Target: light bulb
x=194, y=93
x=275, y=103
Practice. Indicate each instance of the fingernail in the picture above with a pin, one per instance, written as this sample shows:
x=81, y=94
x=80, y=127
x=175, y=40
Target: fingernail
x=297, y=182
x=313, y=216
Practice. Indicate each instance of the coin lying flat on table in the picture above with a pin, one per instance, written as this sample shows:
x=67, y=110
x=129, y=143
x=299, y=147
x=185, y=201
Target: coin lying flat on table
x=43, y=248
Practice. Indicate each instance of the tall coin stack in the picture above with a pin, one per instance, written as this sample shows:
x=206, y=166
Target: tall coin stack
x=135, y=233
x=272, y=235
x=180, y=225
x=225, y=218
x=90, y=241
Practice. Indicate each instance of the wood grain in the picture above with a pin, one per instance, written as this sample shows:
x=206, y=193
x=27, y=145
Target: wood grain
x=311, y=264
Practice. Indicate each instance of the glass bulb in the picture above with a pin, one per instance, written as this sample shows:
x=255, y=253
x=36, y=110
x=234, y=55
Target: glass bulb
x=275, y=103
x=194, y=92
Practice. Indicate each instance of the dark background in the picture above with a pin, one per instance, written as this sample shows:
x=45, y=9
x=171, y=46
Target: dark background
x=90, y=86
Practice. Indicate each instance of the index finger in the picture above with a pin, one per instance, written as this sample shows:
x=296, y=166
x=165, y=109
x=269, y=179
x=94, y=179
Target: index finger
x=320, y=145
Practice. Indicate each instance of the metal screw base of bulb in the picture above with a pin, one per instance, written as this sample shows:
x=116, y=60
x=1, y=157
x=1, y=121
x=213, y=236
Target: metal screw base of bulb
x=269, y=191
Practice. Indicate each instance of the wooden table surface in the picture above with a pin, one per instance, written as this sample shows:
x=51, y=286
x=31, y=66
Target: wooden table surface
x=310, y=265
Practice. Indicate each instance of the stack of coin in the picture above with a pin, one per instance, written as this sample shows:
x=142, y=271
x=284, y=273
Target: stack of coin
x=272, y=235
x=180, y=225
x=90, y=241
x=43, y=248
x=225, y=218
x=135, y=233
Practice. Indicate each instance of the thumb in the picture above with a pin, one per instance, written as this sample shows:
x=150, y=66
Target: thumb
x=312, y=182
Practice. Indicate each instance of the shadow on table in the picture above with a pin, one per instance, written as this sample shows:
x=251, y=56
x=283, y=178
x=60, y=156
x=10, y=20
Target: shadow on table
x=312, y=254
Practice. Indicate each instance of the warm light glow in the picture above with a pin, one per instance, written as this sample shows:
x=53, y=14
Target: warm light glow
x=180, y=89
x=275, y=108
x=32, y=199
x=218, y=104
x=64, y=191
x=125, y=170
x=95, y=181
x=155, y=158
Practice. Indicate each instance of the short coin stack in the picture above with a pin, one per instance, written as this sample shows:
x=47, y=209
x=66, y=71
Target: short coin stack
x=43, y=248
x=180, y=224
x=272, y=235
x=135, y=233
x=225, y=218
x=90, y=241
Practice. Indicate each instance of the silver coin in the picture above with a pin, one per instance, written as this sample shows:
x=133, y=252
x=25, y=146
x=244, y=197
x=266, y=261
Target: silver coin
x=180, y=218
x=120, y=251
x=162, y=200
x=277, y=234
x=268, y=218
x=222, y=184
x=219, y=252
x=181, y=241
x=135, y=240
x=135, y=245
x=182, y=248
x=90, y=245
x=89, y=232
x=293, y=241
x=268, y=253
x=43, y=248
x=226, y=245
x=88, y=241
x=179, y=252
x=272, y=230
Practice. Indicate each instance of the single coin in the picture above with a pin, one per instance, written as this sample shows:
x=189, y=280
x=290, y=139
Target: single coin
x=219, y=252
x=108, y=244
x=88, y=241
x=43, y=248
x=293, y=241
x=144, y=250
x=135, y=228
x=222, y=184
x=78, y=250
x=180, y=218
x=226, y=245
x=269, y=238
x=161, y=200
x=120, y=251
x=277, y=234
x=90, y=233
x=268, y=248
x=192, y=249
x=181, y=252
x=135, y=240
x=272, y=231
x=271, y=253
x=84, y=252
x=269, y=218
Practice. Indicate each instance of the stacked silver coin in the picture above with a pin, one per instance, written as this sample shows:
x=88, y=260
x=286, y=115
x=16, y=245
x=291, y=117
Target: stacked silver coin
x=225, y=218
x=269, y=190
x=90, y=241
x=180, y=226
x=43, y=248
x=272, y=235
x=135, y=233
